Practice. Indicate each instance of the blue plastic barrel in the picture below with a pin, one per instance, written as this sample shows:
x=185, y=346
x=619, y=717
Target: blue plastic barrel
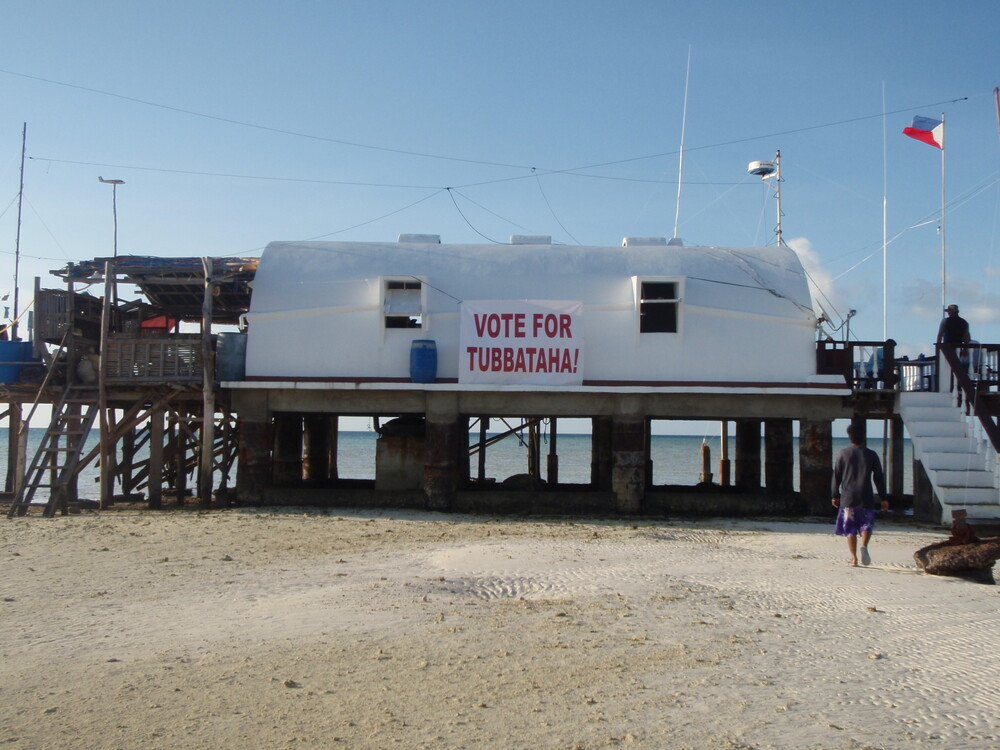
x=423, y=361
x=13, y=356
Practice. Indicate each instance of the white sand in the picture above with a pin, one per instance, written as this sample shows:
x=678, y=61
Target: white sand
x=259, y=629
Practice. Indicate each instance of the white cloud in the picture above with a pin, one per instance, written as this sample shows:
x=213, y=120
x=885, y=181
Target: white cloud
x=821, y=284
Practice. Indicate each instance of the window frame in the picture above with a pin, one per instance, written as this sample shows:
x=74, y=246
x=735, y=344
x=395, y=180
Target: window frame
x=677, y=301
x=386, y=287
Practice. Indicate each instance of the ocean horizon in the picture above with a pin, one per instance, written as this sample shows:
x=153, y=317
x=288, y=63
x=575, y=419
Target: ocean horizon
x=676, y=459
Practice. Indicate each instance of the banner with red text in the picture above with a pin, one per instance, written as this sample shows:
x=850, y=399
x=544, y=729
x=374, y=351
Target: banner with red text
x=533, y=342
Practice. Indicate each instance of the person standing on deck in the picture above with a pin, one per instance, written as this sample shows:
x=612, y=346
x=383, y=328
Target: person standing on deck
x=954, y=329
x=855, y=470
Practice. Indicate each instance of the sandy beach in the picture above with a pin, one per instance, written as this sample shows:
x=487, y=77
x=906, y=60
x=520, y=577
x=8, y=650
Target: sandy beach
x=308, y=629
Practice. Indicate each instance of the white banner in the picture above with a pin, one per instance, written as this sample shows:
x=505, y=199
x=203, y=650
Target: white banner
x=534, y=342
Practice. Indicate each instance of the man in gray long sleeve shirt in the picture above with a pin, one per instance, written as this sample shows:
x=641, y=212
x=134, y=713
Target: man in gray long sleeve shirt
x=855, y=470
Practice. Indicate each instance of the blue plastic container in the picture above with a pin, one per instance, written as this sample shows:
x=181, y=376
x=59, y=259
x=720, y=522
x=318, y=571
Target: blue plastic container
x=13, y=356
x=423, y=361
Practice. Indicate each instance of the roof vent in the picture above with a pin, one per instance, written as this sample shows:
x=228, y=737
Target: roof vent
x=531, y=239
x=644, y=242
x=421, y=239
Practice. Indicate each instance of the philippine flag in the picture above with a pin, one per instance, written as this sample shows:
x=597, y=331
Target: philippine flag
x=927, y=130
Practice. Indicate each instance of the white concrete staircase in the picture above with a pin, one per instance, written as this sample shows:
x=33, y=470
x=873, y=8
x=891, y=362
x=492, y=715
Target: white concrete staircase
x=961, y=467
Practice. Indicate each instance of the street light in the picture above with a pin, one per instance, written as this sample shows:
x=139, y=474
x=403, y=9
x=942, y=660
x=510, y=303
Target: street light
x=114, y=205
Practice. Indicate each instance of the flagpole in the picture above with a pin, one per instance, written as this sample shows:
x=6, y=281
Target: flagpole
x=944, y=242
x=885, y=209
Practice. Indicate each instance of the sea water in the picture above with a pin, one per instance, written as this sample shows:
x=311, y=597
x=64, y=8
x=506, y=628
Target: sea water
x=676, y=458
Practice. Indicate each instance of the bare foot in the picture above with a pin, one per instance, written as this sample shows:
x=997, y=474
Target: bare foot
x=853, y=562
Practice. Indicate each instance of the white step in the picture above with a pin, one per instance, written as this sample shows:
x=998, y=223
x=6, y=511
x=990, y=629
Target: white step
x=984, y=512
x=931, y=444
x=964, y=479
x=943, y=413
x=923, y=398
x=962, y=496
x=953, y=461
x=937, y=429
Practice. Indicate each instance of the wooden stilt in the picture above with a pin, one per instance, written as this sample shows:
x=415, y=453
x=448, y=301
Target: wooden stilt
x=107, y=447
x=206, y=465
x=552, y=473
x=155, y=477
x=748, y=454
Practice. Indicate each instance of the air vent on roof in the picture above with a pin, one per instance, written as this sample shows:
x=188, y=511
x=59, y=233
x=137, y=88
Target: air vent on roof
x=427, y=239
x=644, y=241
x=531, y=239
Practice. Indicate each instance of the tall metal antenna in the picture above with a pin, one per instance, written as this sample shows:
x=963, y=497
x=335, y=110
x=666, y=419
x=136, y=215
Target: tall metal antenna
x=17, y=242
x=680, y=168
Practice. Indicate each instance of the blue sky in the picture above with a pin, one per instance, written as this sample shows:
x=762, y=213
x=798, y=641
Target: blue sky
x=237, y=123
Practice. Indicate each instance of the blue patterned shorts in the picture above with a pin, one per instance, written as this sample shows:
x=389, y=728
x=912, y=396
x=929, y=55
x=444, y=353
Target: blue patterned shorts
x=853, y=521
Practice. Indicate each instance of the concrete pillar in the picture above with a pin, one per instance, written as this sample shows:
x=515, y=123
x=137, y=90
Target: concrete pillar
x=287, y=449
x=628, y=455
x=748, y=454
x=316, y=454
x=255, y=468
x=441, y=464
x=896, y=459
x=816, y=466
x=600, y=453
x=779, y=461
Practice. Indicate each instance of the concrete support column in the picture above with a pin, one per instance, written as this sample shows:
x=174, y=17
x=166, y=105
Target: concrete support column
x=779, y=460
x=600, y=453
x=816, y=466
x=255, y=468
x=748, y=454
x=316, y=456
x=628, y=472
x=441, y=466
x=896, y=460
x=444, y=433
x=287, y=449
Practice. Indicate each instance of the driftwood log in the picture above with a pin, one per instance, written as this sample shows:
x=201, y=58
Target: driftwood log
x=963, y=555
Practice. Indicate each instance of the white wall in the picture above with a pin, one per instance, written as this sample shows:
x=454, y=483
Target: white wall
x=745, y=315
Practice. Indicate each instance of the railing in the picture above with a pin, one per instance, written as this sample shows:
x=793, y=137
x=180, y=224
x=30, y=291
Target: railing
x=171, y=359
x=862, y=363
x=970, y=380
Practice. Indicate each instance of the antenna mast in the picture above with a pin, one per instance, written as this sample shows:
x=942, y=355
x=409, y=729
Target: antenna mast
x=17, y=241
x=680, y=168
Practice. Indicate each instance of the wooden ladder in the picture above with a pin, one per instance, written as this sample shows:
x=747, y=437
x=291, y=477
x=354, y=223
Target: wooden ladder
x=55, y=462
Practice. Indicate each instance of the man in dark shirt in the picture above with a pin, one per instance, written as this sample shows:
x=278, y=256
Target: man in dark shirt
x=954, y=329
x=855, y=470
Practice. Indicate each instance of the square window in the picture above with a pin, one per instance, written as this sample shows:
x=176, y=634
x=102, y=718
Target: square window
x=403, y=303
x=658, y=307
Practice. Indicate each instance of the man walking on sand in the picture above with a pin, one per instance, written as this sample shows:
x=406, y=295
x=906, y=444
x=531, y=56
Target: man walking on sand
x=853, y=473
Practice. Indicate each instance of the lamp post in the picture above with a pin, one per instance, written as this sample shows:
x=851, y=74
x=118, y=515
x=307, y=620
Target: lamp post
x=114, y=206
